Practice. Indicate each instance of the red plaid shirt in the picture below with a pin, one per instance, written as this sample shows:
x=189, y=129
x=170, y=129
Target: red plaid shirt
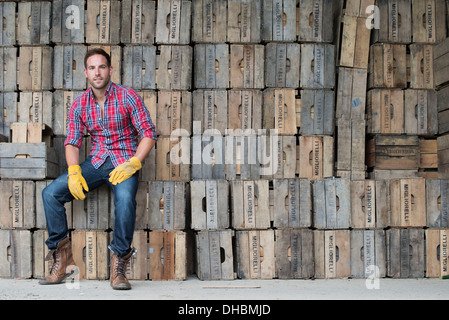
x=116, y=135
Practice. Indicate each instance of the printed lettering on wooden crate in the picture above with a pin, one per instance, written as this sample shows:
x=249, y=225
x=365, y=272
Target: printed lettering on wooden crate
x=17, y=200
x=385, y=109
x=354, y=43
x=173, y=22
x=316, y=157
x=67, y=20
x=138, y=22
x=209, y=21
x=101, y=26
x=211, y=66
x=436, y=253
x=8, y=63
x=214, y=252
x=244, y=21
x=246, y=66
x=250, y=204
x=34, y=73
x=428, y=21
x=405, y=253
x=351, y=93
x=8, y=111
x=245, y=109
x=443, y=157
x=278, y=159
x=36, y=107
x=174, y=68
x=422, y=66
x=441, y=63
x=174, y=112
x=69, y=67
x=282, y=65
x=93, y=212
x=91, y=254
x=279, y=20
x=138, y=266
x=33, y=23
x=317, y=112
x=294, y=254
x=314, y=16
x=332, y=253
x=317, y=66
x=437, y=203
x=209, y=156
x=292, y=203
x=62, y=102
x=16, y=254
x=8, y=27
x=139, y=67
x=408, y=203
x=443, y=110
x=368, y=254
x=279, y=110
x=172, y=158
x=397, y=28
x=255, y=254
x=167, y=255
x=387, y=66
x=210, y=112
x=420, y=112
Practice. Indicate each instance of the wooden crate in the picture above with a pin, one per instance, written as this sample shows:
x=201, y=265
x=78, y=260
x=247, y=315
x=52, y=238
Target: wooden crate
x=209, y=204
x=139, y=67
x=174, y=112
x=316, y=157
x=370, y=204
x=168, y=205
x=34, y=73
x=33, y=23
x=436, y=253
x=351, y=143
x=167, y=255
x=8, y=27
x=17, y=200
x=8, y=111
x=279, y=110
x=138, y=22
x=278, y=160
x=397, y=28
x=443, y=156
x=368, y=254
x=246, y=66
x=354, y=42
x=8, y=63
x=405, y=253
x=358, y=8
x=245, y=109
x=214, y=253
x=209, y=21
x=138, y=266
x=279, y=20
x=41, y=222
x=385, y=111
x=255, y=254
x=393, y=152
x=208, y=156
x=317, y=112
x=331, y=203
x=428, y=21
x=30, y=132
x=313, y=18
x=443, y=110
x=41, y=161
x=332, y=253
x=441, y=65
x=41, y=267
x=244, y=21
x=173, y=158
x=422, y=66
x=388, y=66
x=67, y=20
x=93, y=212
x=317, y=66
x=420, y=112
x=178, y=15
x=408, y=203
x=351, y=93
x=437, y=203
x=294, y=254
x=282, y=65
x=69, y=67
x=250, y=204
x=211, y=66
x=36, y=107
x=292, y=203
x=16, y=255
x=91, y=254
x=64, y=100
x=174, y=71
x=210, y=112
x=428, y=153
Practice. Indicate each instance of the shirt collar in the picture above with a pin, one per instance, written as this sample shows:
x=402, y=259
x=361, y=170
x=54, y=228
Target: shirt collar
x=108, y=90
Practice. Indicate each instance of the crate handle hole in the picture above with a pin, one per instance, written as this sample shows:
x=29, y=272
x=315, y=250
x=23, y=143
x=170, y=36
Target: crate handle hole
x=438, y=253
x=242, y=66
x=289, y=253
x=312, y=112
x=362, y=200
x=204, y=205
x=439, y=203
x=217, y=66
x=222, y=255
x=362, y=253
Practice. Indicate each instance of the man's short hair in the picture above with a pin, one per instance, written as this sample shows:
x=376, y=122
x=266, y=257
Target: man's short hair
x=95, y=51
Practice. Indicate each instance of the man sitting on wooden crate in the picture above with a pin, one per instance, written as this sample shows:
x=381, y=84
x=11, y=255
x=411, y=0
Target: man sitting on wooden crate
x=114, y=116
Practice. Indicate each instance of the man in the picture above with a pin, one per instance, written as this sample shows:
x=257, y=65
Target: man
x=114, y=116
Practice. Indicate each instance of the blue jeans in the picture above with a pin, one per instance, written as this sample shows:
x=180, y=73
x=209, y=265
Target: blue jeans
x=57, y=194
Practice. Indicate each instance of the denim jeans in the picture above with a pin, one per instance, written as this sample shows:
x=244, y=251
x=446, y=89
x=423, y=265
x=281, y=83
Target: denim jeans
x=57, y=193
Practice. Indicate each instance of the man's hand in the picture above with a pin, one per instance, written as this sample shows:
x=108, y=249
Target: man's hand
x=125, y=170
x=77, y=182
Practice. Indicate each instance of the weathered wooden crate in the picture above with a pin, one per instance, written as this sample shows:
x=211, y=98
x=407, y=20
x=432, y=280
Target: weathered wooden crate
x=142, y=212
x=393, y=152
x=368, y=254
x=351, y=93
x=405, y=253
x=282, y=65
x=148, y=171
x=139, y=67
x=174, y=112
x=420, y=112
x=17, y=200
x=332, y=204
x=387, y=66
x=40, y=161
x=316, y=157
x=8, y=110
x=8, y=63
x=350, y=152
x=138, y=22
x=436, y=253
x=422, y=66
x=33, y=23
x=168, y=204
x=16, y=254
x=36, y=107
x=385, y=111
x=314, y=16
x=209, y=21
x=101, y=23
x=173, y=21
x=30, y=132
x=41, y=222
x=67, y=20
x=397, y=26
x=277, y=157
x=8, y=27
x=437, y=203
x=69, y=67
x=209, y=204
x=428, y=21
x=244, y=109
x=211, y=66
x=317, y=112
x=357, y=8
x=41, y=267
x=317, y=66
x=250, y=204
x=255, y=254
x=279, y=110
x=93, y=212
x=279, y=20
x=174, y=70
x=173, y=158
x=214, y=253
x=34, y=73
x=443, y=157
x=428, y=154
x=292, y=203
x=62, y=101
x=167, y=255
x=332, y=253
x=138, y=266
x=443, y=110
x=441, y=64
x=244, y=21
x=354, y=42
x=245, y=151
x=294, y=254
x=91, y=254
x=210, y=112
x=246, y=66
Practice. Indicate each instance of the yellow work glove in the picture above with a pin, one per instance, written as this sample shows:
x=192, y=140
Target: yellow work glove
x=125, y=170
x=77, y=182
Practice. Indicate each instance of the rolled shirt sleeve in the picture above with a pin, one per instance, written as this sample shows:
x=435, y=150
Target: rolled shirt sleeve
x=75, y=126
x=140, y=116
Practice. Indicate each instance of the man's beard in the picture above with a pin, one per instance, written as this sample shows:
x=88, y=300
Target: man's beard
x=100, y=85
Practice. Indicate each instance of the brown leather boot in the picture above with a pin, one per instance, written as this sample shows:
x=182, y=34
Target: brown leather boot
x=63, y=264
x=118, y=271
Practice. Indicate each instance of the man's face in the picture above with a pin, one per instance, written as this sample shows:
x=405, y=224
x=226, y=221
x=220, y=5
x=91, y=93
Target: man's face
x=97, y=72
